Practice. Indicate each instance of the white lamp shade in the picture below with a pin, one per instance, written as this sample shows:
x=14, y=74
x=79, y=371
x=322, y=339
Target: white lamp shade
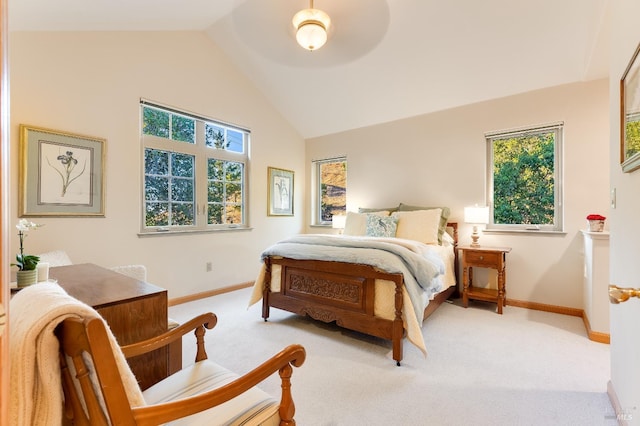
x=476, y=214
x=338, y=221
x=311, y=28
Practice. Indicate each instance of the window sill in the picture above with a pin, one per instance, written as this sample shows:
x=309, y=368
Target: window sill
x=522, y=231
x=187, y=232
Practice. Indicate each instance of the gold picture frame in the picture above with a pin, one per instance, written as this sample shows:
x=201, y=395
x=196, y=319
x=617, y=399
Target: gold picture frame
x=61, y=174
x=630, y=115
x=280, y=192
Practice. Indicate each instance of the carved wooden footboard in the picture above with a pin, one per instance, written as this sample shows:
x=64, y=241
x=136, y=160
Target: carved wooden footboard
x=335, y=291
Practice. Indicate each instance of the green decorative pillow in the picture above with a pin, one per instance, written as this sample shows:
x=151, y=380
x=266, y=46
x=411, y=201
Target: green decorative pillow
x=381, y=226
x=389, y=210
x=444, y=216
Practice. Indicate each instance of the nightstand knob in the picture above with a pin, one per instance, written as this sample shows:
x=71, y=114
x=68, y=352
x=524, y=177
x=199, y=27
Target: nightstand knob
x=481, y=257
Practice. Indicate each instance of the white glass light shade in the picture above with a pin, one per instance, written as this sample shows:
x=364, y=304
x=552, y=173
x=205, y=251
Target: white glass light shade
x=311, y=28
x=338, y=221
x=476, y=214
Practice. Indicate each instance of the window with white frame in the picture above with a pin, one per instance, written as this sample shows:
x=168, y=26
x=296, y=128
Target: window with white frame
x=331, y=189
x=525, y=179
x=195, y=171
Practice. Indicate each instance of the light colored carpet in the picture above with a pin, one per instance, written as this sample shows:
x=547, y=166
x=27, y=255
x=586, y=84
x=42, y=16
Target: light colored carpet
x=521, y=368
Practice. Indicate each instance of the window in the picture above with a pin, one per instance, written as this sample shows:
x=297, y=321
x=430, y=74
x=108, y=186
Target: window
x=195, y=172
x=331, y=189
x=525, y=179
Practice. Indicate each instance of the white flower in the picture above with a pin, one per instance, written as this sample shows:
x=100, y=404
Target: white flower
x=24, y=225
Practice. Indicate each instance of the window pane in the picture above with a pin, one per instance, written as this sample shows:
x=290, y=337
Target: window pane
x=181, y=214
x=235, y=141
x=234, y=172
x=182, y=190
x=182, y=165
x=157, y=214
x=155, y=122
x=524, y=187
x=216, y=192
x=234, y=214
x=333, y=189
x=215, y=136
x=156, y=162
x=156, y=188
x=214, y=216
x=215, y=169
x=234, y=193
x=183, y=129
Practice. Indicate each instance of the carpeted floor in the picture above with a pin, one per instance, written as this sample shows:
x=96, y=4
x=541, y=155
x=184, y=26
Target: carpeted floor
x=521, y=368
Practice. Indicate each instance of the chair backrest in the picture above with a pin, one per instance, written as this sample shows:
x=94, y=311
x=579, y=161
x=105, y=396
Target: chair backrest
x=55, y=258
x=139, y=272
x=87, y=357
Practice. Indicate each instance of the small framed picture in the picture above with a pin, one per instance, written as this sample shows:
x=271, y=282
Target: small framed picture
x=61, y=174
x=280, y=192
x=630, y=115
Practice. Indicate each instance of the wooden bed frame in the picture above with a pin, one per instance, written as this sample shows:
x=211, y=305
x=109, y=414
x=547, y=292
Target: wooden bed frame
x=344, y=293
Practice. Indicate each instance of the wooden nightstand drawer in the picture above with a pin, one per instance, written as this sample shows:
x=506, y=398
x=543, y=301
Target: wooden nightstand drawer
x=482, y=258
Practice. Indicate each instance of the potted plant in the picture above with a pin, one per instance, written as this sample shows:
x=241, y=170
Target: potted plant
x=26, y=263
x=596, y=222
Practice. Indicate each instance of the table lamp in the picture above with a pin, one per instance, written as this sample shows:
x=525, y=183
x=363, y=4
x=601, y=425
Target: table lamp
x=338, y=221
x=476, y=216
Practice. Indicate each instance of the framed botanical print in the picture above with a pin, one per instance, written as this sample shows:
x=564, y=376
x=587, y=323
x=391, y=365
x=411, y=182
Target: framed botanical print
x=280, y=192
x=61, y=174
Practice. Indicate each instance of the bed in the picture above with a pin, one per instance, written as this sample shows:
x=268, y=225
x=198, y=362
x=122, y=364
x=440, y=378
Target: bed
x=373, y=281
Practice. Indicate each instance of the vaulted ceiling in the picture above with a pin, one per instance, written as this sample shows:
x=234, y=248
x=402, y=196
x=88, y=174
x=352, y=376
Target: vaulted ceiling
x=384, y=60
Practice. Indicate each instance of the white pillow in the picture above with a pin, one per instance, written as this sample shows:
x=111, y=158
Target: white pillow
x=356, y=223
x=419, y=225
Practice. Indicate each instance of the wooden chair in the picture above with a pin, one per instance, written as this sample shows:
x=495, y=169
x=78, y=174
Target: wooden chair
x=101, y=398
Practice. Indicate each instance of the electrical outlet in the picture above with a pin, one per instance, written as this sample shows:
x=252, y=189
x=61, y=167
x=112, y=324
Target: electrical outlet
x=209, y=267
x=613, y=198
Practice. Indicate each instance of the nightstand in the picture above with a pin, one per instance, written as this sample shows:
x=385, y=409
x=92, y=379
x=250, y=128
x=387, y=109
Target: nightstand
x=484, y=257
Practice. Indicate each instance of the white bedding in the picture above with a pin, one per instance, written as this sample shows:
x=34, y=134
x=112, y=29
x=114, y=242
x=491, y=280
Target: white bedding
x=416, y=294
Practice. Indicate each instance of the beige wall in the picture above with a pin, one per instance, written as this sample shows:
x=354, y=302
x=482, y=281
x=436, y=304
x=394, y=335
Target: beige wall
x=625, y=233
x=90, y=83
x=439, y=159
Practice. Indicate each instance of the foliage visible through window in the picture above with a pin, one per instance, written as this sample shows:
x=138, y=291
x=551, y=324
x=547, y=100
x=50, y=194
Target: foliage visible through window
x=332, y=188
x=183, y=153
x=525, y=179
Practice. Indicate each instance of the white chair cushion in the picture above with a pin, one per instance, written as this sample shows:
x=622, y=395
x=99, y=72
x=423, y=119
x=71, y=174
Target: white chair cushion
x=254, y=407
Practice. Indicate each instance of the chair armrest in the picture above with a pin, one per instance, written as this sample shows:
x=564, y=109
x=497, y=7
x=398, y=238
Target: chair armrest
x=293, y=355
x=207, y=320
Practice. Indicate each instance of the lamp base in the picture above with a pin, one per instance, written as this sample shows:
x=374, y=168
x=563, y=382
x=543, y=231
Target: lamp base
x=475, y=237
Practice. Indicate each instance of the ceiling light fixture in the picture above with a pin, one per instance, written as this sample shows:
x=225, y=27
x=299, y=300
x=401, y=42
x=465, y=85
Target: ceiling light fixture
x=311, y=27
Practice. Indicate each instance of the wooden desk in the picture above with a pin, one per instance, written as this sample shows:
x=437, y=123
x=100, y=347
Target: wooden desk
x=135, y=310
x=484, y=257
